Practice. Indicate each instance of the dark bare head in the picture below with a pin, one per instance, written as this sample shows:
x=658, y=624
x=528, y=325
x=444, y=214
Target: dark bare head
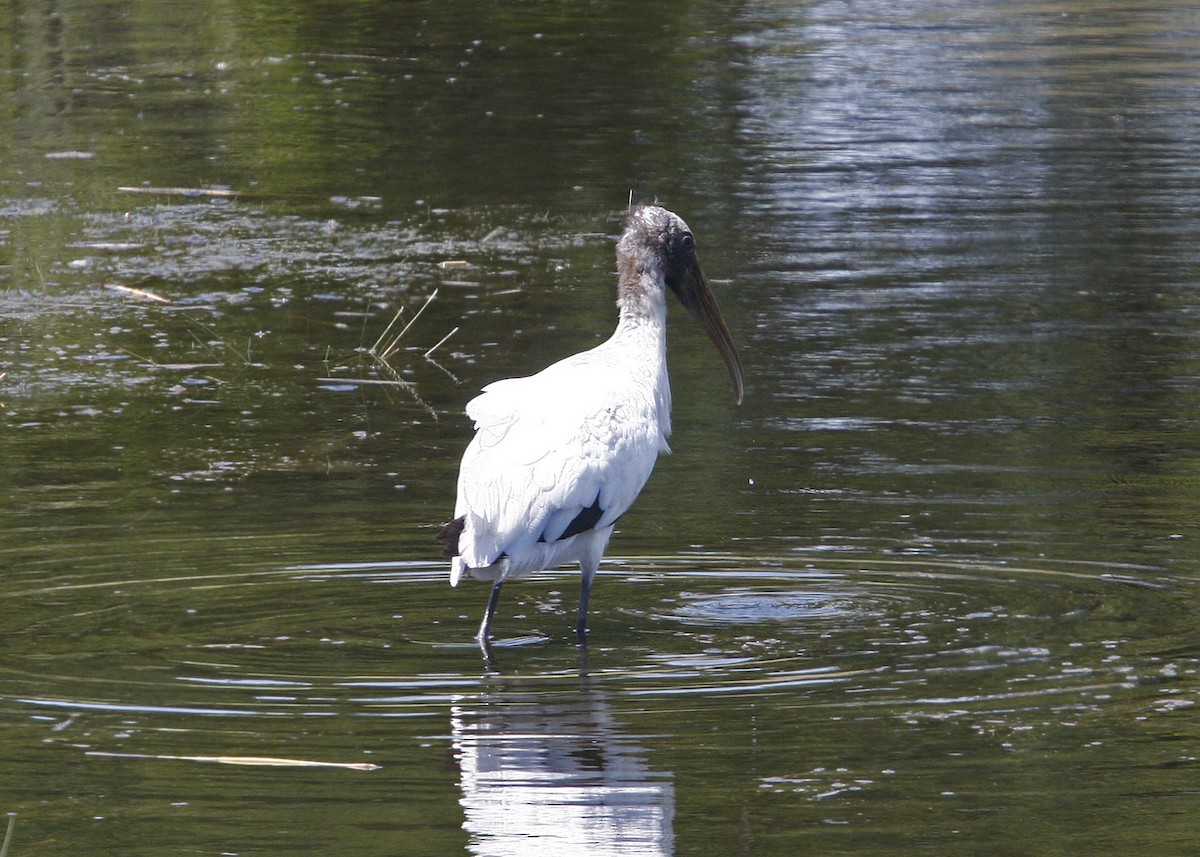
x=658, y=249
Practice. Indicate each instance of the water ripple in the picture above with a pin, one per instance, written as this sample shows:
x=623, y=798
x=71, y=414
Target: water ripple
x=904, y=634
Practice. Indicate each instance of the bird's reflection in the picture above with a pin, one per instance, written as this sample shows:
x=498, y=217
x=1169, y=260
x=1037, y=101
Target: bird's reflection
x=555, y=773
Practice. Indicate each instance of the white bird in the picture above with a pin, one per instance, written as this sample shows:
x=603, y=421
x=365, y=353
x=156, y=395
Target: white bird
x=559, y=456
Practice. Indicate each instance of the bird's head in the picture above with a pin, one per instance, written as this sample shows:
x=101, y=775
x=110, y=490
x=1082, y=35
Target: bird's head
x=658, y=243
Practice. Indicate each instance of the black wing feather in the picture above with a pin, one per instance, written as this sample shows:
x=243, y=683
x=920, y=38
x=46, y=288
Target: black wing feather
x=582, y=522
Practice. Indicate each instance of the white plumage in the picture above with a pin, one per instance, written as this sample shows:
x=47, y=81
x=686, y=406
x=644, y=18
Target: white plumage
x=559, y=456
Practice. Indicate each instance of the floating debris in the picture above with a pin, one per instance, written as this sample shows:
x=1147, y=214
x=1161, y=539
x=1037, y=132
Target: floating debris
x=362, y=382
x=112, y=246
x=255, y=761
x=222, y=193
x=357, y=201
x=130, y=291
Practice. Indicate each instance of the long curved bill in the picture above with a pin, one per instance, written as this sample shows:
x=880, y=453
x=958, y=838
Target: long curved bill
x=697, y=298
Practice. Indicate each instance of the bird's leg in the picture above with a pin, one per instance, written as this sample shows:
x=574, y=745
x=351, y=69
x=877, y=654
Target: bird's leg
x=585, y=590
x=485, y=649
x=485, y=627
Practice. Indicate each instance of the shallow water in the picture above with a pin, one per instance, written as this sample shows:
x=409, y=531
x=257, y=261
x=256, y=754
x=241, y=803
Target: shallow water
x=930, y=589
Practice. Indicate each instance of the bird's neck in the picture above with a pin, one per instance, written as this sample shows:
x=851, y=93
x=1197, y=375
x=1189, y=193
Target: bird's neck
x=641, y=299
x=642, y=332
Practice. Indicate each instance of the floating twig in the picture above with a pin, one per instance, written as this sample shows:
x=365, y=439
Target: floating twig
x=140, y=294
x=112, y=246
x=224, y=193
x=380, y=382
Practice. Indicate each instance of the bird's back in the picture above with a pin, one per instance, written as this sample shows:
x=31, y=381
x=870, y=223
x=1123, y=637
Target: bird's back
x=582, y=434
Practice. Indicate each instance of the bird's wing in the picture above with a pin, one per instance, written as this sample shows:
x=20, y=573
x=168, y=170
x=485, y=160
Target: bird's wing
x=566, y=446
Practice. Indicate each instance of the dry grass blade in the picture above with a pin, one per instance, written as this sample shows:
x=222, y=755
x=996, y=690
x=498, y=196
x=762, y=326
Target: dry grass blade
x=12, y=822
x=440, y=343
x=375, y=348
x=395, y=343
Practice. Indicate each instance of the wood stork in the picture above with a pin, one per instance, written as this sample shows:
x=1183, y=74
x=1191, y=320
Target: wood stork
x=559, y=456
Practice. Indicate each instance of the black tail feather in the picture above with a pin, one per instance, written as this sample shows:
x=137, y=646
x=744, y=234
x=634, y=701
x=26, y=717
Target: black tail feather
x=448, y=536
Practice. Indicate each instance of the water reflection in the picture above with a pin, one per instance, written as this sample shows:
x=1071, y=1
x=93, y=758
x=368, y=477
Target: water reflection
x=556, y=774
